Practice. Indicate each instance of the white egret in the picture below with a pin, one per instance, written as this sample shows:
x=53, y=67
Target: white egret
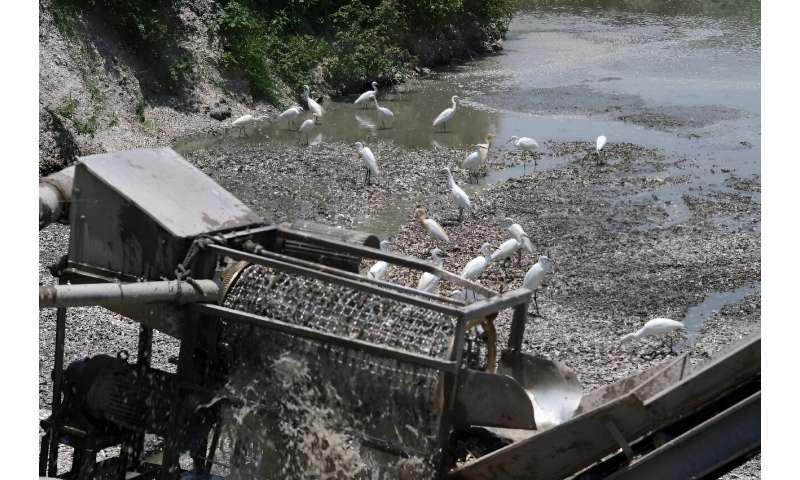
x=472, y=164
x=312, y=104
x=428, y=281
x=246, y=120
x=656, y=327
x=431, y=226
x=378, y=271
x=601, y=142
x=447, y=114
x=506, y=249
x=307, y=125
x=516, y=231
x=525, y=144
x=483, y=148
x=291, y=114
x=383, y=113
x=535, y=275
x=369, y=160
x=460, y=197
x=477, y=265
x=365, y=97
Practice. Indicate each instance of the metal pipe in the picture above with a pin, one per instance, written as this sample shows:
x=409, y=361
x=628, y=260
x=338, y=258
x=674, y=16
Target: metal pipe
x=120, y=294
x=55, y=192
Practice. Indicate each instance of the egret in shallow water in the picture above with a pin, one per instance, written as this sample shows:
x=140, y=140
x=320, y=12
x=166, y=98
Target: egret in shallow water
x=431, y=226
x=601, y=142
x=313, y=106
x=369, y=160
x=516, y=231
x=308, y=125
x=365, y=97
x=291, y=114
x=378, y=271
x=384, y=114
x=535, y=275
x=656, y=327
x=447, y=114
x=477, y=265
x=428, y=281
x=525, y=144
x=246, y=120
x=460, y=197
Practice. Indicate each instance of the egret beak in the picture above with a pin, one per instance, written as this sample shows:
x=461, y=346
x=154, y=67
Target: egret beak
x=509, y=141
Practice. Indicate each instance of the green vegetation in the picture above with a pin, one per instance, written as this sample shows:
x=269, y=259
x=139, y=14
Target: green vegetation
x=148, y=28
x=354, y=42
x=88, y=126
x=67, y=109
x=335, y=45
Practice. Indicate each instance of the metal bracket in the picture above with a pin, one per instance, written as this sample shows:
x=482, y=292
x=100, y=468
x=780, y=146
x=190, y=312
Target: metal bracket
x=620, y=439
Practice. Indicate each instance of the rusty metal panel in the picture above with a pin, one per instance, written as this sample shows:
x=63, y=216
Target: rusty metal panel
x=739, y=365
x=706, y=451
x=646, y=383
x=174, y=193
x=565, y=449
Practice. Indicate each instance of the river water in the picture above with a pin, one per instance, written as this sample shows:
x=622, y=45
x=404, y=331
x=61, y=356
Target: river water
x=683, y=79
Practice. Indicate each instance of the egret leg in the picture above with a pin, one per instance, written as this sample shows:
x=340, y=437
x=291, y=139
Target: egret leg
x=460, y=214
x=536, y=304
x=519, y=256
x=368, y=176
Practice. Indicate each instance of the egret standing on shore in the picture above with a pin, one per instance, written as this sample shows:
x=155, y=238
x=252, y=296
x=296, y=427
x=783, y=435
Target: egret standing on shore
x=516, y=231
x=290, y=114
x=506, y=250
x=483, y=148
x=307, y=125
x=431, y=226
x=656, y=327
x=472, y=163
x=525, y=144
x=378, y=271
x=477, y=265
x=447, y=114
x=383, y=113
x=428, y=281
x=535, y=275
x=365, y=97
x=369, y=160
x=313, y=106
x=459, y=196
x=601, y=142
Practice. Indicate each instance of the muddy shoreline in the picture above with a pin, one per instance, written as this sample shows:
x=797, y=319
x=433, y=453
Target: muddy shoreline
x=620, y=259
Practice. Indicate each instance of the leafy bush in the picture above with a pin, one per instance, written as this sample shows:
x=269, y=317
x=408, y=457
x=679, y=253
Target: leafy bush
x=67, y=109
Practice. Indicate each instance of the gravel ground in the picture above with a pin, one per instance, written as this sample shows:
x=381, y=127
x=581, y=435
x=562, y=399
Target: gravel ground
x=620, y=257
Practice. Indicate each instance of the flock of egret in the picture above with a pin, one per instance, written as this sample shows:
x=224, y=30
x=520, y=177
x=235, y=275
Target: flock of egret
x=472, y=163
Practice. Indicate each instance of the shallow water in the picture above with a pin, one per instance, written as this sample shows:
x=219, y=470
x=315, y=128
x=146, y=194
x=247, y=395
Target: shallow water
x=698, y=315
